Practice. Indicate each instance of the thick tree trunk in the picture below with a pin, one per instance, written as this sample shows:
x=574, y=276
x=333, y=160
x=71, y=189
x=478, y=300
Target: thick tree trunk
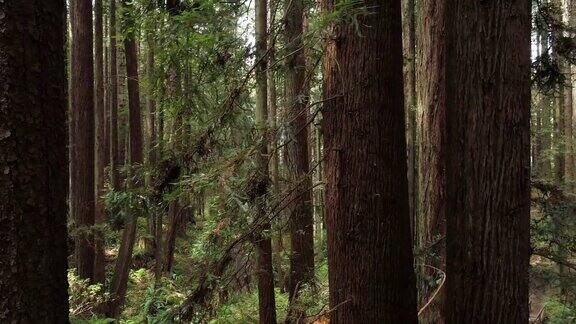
x=99, y=259
x=114, y=148
x=124, y=261
x=431, y=94
x=301, y=217
x=82, y=195
x=34, y=181
x=369, y=247
x=266, y=298
x=488, y=143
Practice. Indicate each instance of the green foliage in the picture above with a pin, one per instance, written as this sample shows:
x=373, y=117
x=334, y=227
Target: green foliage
x=123, y=204
x=558, y=312
x=84, y=298
x=243, y=308
x=547, y=71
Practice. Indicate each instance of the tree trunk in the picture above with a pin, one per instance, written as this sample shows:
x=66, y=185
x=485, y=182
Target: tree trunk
x=487, y=153
x=568, y=108
x=82, y=195
x=266, y=298
x=100, y=217
x=301, y=217
x=34, y=181
x=151, y=242
x=174, y=214
x=431, y=96
x=544, y=161
x=369, y=247
x=124, y=261
x=153, y=156
x=409, y=45
x=274, y=165
x=114, y=148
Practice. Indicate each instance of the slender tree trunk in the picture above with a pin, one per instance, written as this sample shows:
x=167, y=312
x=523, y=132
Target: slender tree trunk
x=569, y=109
x=82, y=195
x=175, y=214
x=154, y=155
x=124, y=261
x=559, y=103
x=409, y=45
x=274, y=165
x=488, y=143
x=537, y=145
x=319, y=197
x=559, y=135
x=546, y=128
x=99, y=259
x=34, y=181
x=114, y=148
x=301, y=217
x=369, y=247
x=431, y=96
x=123, y=122
x=266, y=298
x=106, y=70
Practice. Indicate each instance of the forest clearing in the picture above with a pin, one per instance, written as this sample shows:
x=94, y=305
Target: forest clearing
x=288, y=161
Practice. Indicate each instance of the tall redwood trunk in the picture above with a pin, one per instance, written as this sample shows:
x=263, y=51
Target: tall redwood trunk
x=488, y=143
x=82, y=195
x=101, y=161
x=431, y=97
x=136, y=157
x=34, y=173
x=371, y=273
x=264, y=270
x=301, y=217
x=114, y=149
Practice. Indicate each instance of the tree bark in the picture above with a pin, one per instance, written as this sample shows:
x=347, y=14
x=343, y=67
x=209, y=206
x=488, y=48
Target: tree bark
x=33, y=163
x=569, y=109
x=371, y=274
x=431, y=97
x=175, y=216
x=266, y=297
x=301, y=217
x=151, y=242
x=544, y=161
x=559, y=103
x=409, y=45
x=100, y=217
x=274, y=165
x=153, y=156
x=82, y=195
x=114, y=148
x=124, y=261
x=488, y=143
